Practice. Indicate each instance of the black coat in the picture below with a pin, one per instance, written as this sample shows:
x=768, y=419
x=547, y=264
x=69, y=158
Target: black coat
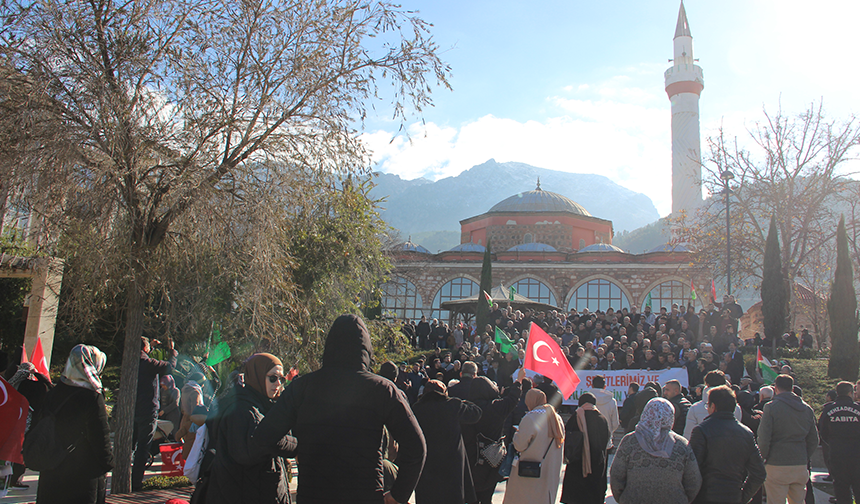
x=337, y=414
x=242, y=472
x=592, y=488
x=729, y=459
x=494, y=412
x=446, y=478
x=83, y=421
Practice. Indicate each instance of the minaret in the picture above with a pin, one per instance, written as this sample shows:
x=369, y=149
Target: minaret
x=684, y=84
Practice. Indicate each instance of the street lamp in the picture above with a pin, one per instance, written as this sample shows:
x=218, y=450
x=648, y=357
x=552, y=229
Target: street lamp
x=726, y=177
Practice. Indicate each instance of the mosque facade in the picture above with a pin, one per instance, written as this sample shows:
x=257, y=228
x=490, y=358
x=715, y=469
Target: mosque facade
x=553, y=251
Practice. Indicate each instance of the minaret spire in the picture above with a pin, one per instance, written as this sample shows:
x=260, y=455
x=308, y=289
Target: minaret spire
x=684, y=84
x=682, y=29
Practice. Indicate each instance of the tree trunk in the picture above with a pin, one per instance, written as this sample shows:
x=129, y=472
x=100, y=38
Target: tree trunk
x=123, y=412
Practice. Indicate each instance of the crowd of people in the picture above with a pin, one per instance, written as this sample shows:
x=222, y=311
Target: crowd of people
x=450, y=429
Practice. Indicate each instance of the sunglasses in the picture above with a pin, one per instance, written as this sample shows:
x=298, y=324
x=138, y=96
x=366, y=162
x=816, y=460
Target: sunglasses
x=276, y=378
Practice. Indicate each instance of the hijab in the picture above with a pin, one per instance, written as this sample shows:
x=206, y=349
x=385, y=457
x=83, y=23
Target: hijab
x=536, y=401
x=84, y=368
x=655, y=426
x=170, y=383
x=255, y=370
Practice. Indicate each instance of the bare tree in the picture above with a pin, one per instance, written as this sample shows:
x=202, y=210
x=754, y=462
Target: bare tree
x=794, y=171
x=162, y=115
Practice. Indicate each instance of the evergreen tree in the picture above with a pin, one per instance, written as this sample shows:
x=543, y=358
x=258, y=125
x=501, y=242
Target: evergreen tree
x=774, y=294
x=482, y=312
x=842, y=307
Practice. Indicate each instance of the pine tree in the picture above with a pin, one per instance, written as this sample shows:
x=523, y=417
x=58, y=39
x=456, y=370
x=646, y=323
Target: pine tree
x=774, y=295
x=482, y=313
x=842, y=307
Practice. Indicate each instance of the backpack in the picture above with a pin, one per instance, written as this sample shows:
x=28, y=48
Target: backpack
x=43, y=449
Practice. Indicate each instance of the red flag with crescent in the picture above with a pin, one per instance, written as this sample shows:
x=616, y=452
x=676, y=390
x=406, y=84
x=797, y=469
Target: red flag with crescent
x=544, y=357
x=39, y=361
x=14, y=409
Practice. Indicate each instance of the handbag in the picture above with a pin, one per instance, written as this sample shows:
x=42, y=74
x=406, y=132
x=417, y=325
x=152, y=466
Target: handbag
x=490, y=451
x=531, y=469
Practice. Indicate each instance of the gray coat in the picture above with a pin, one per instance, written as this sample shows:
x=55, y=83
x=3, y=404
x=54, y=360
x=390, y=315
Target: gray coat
x=787, y=435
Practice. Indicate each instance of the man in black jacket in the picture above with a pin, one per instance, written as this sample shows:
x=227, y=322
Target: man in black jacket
x=146, y=406
x=839, y=427
x=728, y=457
x=672, y=392
x=337, y=413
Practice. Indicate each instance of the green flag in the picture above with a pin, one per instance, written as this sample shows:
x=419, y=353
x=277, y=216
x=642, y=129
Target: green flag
x=648, y=299
x=513, y=291
x=218, y=353
x=505, y=343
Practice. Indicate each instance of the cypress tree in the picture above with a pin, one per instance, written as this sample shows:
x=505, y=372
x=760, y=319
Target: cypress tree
x=774, y=295
x=842, y=308
x=482, y=312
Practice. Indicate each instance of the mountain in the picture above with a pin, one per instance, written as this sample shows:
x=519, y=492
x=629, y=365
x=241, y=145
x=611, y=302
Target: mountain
x=436, y=208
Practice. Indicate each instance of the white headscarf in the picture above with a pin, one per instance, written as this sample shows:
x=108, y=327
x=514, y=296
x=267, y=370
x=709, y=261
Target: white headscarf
x=655, y=426
x=84, y=366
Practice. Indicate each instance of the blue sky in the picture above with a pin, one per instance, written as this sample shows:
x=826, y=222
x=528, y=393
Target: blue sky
x=578, y=86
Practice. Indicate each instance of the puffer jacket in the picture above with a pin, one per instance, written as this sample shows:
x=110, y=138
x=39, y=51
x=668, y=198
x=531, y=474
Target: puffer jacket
x=728, y=458
x=337, y=414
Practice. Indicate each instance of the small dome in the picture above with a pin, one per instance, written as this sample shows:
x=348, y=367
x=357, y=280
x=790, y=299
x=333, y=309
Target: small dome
x=533, y=247
x=668, y=247
x=408, y=246
x=601, y=247
x=539, y=201
x=468, y=247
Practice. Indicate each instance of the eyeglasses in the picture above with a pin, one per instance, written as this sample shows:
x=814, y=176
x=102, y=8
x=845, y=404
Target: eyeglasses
x=277, y=378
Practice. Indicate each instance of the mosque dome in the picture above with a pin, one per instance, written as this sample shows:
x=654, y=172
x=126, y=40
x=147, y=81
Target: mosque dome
x=668, y=247
x=468, y=247
x=601, y=247
x=533, y=247
x=539, y=201
x=408, y=246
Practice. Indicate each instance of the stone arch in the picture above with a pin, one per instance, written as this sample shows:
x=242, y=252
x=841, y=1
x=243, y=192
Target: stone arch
x=624, y=290
x=527, y=276
x=436, y=312
x=685, y=283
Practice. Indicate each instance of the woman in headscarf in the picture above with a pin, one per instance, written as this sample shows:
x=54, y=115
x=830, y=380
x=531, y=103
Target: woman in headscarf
x=495, y=408
x=243, y=472
x=539, y=438
x=653, y=464
x=446, y=478
x=193, y=411
x=168, y=401
x=587, y=436
x=81, y=420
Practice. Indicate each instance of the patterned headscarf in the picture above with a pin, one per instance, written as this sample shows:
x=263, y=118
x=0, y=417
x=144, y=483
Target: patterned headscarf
x=654, y=428
x=84, y=368
x=536, y=402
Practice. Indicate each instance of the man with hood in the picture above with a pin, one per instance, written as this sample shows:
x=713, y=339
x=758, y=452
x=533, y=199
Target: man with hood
x=337, y=414
x=787, y=437
x=606, y=404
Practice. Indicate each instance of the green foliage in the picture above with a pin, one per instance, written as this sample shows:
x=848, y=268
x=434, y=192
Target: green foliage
x=812, y=378
x=842, y=307
x=389, y=344
x=482, y=311
x=774, y=294
x=13, y=293
x=165, y=482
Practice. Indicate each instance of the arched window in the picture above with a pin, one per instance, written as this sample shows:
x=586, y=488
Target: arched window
x=598, y=294
x=535, y=290
x=457, y=288
x=528, y=238
x=400, y=299
x=663, y=295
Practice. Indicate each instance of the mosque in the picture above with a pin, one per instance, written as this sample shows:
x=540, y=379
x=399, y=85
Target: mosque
x=553, y=251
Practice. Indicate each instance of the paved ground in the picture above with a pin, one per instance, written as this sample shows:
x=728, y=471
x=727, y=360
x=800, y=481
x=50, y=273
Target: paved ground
x=159, y=497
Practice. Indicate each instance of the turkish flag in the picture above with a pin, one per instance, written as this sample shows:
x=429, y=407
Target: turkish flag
x=14, y=409
x=544, y=357
x=38, y=359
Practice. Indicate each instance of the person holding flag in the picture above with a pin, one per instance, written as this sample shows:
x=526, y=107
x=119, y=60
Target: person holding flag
x=768, y=375
x=544, y=357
